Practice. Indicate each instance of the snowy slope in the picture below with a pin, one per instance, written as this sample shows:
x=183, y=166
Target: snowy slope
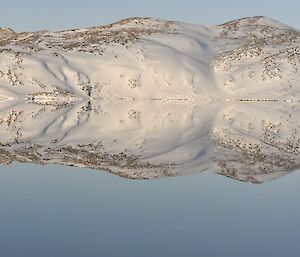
x=148, y=98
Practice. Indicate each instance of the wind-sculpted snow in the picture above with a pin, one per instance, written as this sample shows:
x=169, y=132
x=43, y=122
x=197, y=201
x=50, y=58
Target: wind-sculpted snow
x=146, y=98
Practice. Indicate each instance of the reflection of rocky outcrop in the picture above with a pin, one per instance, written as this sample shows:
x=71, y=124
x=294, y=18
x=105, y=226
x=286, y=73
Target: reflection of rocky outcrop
x=148, y=98
x=253, y=142
x=259, y=142
x=89, y=156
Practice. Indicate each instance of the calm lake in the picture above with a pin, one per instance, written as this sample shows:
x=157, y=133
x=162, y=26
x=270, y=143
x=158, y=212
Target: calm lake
x=56, y=211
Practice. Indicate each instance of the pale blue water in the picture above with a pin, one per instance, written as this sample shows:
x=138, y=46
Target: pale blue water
x=55, y=211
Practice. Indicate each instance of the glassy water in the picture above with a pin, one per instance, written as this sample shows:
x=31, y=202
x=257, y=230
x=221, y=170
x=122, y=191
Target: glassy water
x=54, y=211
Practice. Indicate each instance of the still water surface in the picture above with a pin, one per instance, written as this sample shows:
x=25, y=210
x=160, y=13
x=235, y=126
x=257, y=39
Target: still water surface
x=56, y=211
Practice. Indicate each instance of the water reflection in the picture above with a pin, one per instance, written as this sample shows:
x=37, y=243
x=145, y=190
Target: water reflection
x=248, y=141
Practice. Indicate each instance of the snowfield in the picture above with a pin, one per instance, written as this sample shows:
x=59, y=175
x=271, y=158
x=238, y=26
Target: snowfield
x=147, y=98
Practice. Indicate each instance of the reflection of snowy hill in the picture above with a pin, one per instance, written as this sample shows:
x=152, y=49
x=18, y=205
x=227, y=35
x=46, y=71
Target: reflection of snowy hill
x=148, y=98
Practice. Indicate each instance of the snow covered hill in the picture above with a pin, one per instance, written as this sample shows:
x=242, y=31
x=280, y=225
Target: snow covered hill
x=148, y=98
